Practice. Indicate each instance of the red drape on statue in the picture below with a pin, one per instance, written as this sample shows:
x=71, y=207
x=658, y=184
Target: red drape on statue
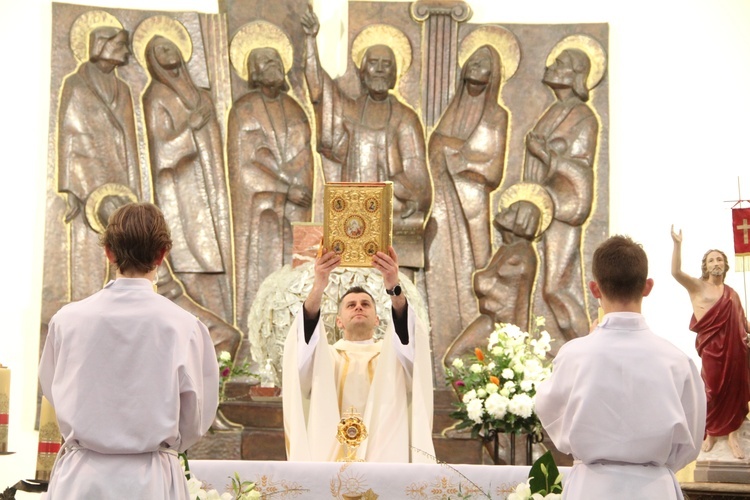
x=721, y=346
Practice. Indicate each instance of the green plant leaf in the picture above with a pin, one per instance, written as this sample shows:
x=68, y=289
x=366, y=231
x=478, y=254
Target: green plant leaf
x=544, y=475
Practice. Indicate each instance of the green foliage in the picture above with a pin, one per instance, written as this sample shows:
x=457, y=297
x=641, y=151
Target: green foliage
x=544, y=477
x=228, y=369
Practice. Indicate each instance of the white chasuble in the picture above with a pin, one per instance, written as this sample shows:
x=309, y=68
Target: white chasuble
x=353, y=372
x=388, y=383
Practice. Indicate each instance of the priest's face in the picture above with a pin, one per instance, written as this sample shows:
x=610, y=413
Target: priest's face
x=357, y=316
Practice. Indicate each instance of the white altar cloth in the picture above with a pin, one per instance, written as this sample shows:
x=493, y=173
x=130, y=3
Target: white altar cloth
x=337, y=480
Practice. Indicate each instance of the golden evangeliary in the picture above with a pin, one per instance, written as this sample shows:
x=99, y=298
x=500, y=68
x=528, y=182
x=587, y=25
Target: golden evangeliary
x=358, y=220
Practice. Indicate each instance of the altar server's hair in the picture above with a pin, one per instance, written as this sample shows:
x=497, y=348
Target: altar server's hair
x=137, y=235
x=620, y=268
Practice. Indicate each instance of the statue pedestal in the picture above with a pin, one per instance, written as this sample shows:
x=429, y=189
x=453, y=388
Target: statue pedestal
x=715, y=491
x=720, y=466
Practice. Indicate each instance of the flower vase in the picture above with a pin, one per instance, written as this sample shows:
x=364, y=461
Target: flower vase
x=491, y=442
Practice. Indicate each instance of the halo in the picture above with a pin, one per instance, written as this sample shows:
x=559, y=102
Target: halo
x=383, y=34
x=167, y=27
x=82, y=28
x=591, y=47
x=97, y=196
x=533, y=193
x=254, y=36
x=502, y=40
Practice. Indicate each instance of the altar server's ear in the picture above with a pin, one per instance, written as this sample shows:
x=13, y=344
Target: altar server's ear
x=594, y=287
x=110, y=255
x=648, y=287
x=162, y=255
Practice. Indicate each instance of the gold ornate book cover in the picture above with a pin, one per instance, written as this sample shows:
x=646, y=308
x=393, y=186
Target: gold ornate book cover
x=358, y=220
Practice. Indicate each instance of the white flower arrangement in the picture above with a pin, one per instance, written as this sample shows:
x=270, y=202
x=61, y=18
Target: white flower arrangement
x=197, y=491
x=497, y=385
x=523, y=492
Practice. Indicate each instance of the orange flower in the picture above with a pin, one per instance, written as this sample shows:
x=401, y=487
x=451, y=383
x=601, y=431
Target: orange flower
x=480, y=355
x=494, y=380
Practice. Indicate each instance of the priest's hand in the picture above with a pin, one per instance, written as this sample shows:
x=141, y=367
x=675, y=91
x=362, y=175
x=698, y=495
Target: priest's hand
x=387, y=264
x=324, y=265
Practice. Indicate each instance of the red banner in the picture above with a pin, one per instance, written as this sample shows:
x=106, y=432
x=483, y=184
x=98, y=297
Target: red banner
x=3, y=418
x=49, y=447
x=741, y=230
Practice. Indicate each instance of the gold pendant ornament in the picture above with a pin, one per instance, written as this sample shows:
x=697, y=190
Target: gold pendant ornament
x=351, y=432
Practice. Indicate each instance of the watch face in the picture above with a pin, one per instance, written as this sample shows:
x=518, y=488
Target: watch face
x=396, y=290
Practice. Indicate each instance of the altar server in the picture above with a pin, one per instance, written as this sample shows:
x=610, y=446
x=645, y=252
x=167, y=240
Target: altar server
x=388, y=382
x=627, y=404
x=133, y=377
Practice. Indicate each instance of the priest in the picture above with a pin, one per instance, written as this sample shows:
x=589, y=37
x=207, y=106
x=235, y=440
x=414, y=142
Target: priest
x=387, y=382
x=627, y=404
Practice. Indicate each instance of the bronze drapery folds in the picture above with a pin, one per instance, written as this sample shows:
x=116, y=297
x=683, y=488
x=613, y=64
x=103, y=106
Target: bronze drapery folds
x=495, y=137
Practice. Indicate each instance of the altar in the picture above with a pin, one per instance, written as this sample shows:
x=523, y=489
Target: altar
x=365, y=480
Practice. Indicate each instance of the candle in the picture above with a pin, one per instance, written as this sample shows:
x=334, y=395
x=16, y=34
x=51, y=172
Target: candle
x=49, y=441
x=4, y=406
